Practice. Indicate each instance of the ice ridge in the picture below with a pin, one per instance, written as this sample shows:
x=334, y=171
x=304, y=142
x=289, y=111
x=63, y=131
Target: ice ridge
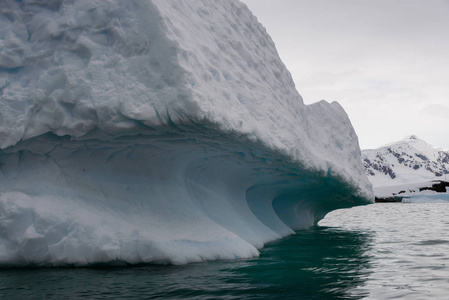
x=158, y=131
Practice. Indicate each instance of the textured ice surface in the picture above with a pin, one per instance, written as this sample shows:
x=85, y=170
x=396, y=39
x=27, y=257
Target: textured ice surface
x=158, y=131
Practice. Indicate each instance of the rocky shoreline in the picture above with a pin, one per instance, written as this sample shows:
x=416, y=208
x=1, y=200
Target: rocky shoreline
x=438, y=186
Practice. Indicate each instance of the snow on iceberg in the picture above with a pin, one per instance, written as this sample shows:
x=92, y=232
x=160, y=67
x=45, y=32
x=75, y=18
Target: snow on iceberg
x=158, y=131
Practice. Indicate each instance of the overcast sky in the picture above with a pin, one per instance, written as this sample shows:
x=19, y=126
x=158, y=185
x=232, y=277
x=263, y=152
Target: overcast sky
x=385, y=61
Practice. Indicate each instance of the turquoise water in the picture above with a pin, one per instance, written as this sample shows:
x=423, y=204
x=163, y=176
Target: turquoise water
x=380, y=251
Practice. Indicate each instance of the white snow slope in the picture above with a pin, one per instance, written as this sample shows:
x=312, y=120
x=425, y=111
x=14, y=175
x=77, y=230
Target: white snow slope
x=410, y=160
x=405, y=165
x=159, y=131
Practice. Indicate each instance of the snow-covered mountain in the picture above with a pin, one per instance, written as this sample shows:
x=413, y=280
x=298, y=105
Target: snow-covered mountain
x=410, y=160
x=158, y=131
x=407, y=170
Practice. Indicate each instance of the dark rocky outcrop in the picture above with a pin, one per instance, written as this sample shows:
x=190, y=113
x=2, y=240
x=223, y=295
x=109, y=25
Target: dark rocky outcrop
x=388, y=199
x=438, y=186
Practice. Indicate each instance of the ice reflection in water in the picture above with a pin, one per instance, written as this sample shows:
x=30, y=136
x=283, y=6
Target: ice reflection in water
x=380, y=251
x=320, y=263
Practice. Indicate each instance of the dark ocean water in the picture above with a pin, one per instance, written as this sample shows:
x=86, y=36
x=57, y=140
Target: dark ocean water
x=380, y=251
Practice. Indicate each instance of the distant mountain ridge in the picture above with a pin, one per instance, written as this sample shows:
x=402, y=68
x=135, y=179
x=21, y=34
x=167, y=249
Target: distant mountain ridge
x=410, y=160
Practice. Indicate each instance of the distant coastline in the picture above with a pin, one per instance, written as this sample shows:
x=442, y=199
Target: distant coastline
x=438, y=186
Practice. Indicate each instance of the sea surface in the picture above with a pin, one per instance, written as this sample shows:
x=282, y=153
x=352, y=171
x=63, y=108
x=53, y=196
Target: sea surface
x=379, y=251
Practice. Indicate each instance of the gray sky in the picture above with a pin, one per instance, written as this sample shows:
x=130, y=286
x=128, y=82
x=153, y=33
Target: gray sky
x=385, y=61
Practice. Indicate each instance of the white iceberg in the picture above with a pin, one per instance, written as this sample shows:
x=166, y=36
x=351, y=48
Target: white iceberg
x=158, y=131
x=431, y=198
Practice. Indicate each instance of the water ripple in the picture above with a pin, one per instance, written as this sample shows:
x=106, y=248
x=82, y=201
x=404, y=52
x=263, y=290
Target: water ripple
x=380, y=251
x=410, y=249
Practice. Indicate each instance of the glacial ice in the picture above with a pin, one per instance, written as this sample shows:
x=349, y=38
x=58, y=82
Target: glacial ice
x=158, y=131
x=429, y=198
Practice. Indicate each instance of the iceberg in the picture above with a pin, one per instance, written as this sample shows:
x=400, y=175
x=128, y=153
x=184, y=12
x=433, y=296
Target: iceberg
x=158, y=131
x=427, y=198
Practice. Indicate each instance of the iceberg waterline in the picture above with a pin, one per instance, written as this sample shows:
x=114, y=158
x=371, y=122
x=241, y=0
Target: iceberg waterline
x=158, y=131
x=167, y=197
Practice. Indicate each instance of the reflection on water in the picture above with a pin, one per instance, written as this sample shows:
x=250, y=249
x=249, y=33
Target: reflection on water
x=320, y=263
x=410, y=249
x=380, y=251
